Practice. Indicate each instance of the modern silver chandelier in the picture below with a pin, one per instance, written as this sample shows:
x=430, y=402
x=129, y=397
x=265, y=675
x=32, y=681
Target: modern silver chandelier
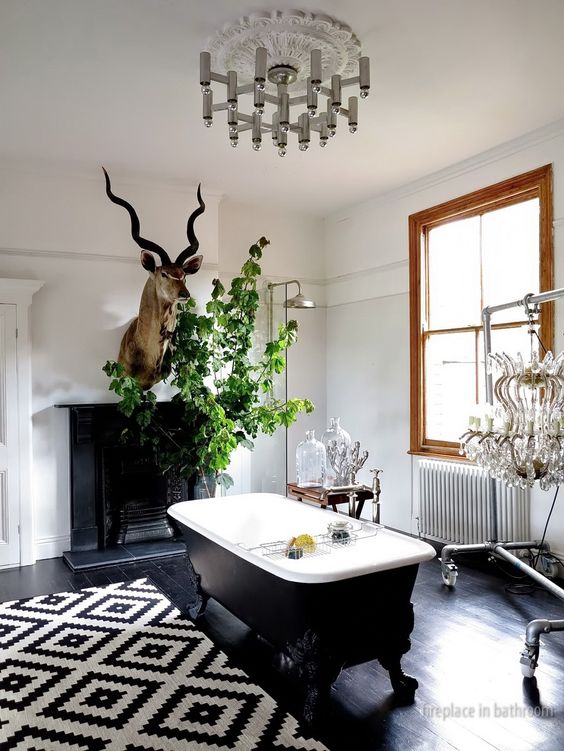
x=284, y=59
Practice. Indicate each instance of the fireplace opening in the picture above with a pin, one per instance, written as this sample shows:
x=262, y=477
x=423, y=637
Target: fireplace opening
x=136, y=497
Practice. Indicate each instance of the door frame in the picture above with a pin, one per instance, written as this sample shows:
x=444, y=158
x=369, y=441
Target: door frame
x=19, y=292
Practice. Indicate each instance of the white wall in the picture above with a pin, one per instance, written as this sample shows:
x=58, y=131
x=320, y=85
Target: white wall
x=368, y=310
x=62, y=228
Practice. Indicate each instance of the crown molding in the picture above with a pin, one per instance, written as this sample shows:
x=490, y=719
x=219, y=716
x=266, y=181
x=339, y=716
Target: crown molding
x=490, y=156
x=81, y=256
x=382, y=269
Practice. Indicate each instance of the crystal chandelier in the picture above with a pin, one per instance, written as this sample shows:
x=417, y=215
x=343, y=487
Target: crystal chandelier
x=524, y=440
x=287, y=59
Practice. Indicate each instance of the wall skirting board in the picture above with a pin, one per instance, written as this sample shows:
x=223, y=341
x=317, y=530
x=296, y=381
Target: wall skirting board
x=51, y=547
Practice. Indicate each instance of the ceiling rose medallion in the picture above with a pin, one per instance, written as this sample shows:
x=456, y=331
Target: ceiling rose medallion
x=285, y=61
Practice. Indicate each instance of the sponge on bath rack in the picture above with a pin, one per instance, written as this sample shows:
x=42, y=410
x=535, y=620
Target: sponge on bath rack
x=306, y=542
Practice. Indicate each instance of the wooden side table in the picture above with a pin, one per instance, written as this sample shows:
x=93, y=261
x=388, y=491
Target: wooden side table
x=316, y=495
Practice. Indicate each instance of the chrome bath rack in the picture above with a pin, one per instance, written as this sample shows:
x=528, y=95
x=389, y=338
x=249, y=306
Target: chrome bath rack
x=324, y=544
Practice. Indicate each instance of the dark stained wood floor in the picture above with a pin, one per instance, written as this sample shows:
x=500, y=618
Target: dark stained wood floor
x=465, y=654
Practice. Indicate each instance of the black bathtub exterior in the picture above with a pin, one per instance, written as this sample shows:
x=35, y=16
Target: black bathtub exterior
x=316, y=628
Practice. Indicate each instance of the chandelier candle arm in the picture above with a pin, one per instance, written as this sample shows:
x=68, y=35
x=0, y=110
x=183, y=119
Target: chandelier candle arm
x=284, y=111
x=205, y=71
x=353, y=114
x=364, y=76
x=273, y=55
x=207, y=108
x=232, y=89
x=304, y=131
x=259, y=100
x=336, y=94
x=257, y=137
x=323, y=131
x=311, y=99
x=260, y=67
x=315, y=70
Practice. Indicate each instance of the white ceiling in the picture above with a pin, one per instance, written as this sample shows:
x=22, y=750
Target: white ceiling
x=85, y=82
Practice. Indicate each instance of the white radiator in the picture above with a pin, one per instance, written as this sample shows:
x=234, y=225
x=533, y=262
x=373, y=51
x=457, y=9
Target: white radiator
x=454, y=504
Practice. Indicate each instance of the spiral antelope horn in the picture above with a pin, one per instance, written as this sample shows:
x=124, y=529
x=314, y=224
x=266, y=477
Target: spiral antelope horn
x=141, y=241
x=192, y=239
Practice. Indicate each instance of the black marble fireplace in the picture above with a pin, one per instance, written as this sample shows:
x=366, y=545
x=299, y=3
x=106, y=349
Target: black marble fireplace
x=119, y=497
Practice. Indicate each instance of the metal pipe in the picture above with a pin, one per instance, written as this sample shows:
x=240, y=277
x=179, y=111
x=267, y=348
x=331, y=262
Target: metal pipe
x=448, y=550
x=541, y=580
x=541, y=626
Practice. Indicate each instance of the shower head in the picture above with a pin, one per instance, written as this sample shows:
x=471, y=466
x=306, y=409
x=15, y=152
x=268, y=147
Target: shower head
x=299, y=301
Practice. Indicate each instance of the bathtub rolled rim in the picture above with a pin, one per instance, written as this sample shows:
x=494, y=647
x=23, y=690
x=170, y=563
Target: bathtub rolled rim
x=335, y=566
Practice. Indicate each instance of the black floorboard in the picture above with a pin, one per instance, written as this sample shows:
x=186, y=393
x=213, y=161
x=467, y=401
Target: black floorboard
x=465, y=654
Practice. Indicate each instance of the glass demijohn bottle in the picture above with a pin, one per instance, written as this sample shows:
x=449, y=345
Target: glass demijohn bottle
x=310, y=462
x=334, y=433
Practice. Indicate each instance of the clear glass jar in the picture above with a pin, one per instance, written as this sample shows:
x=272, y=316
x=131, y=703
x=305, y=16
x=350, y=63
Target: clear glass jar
x=310, y=462
x=334, y=433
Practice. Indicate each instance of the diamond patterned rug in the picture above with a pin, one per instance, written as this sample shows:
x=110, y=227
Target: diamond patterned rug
x=120, y=668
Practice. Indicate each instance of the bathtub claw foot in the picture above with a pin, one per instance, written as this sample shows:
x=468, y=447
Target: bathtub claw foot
x=404, y=687
x=197, y=604
x=315, y=670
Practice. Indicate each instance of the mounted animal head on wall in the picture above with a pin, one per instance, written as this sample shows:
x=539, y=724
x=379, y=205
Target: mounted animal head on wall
x=146, y=340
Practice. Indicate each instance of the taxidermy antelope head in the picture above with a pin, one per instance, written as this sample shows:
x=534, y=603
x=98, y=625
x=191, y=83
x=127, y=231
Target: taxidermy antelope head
x=146, y=340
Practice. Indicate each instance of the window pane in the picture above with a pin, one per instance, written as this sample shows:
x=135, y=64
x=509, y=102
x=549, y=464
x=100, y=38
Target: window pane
x=450, y=384
x=454, y=274
x=510, y=256
x=512, y=341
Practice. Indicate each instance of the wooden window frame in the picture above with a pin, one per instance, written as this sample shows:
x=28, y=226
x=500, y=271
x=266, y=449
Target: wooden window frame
x=534, y=184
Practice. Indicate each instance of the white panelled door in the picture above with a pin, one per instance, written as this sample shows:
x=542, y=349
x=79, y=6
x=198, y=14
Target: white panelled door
x=9, y=448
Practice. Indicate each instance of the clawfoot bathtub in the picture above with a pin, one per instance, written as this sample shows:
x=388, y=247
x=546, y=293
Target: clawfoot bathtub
x=320, y=611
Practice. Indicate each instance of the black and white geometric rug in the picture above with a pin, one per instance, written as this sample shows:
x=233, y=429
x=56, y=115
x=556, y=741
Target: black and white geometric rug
x=120, y=668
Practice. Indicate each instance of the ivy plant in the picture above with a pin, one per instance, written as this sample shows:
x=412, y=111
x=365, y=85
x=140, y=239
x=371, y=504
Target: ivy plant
x=224, y=396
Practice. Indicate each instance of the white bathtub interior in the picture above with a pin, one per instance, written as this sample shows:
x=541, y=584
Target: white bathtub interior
x=242, y=523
